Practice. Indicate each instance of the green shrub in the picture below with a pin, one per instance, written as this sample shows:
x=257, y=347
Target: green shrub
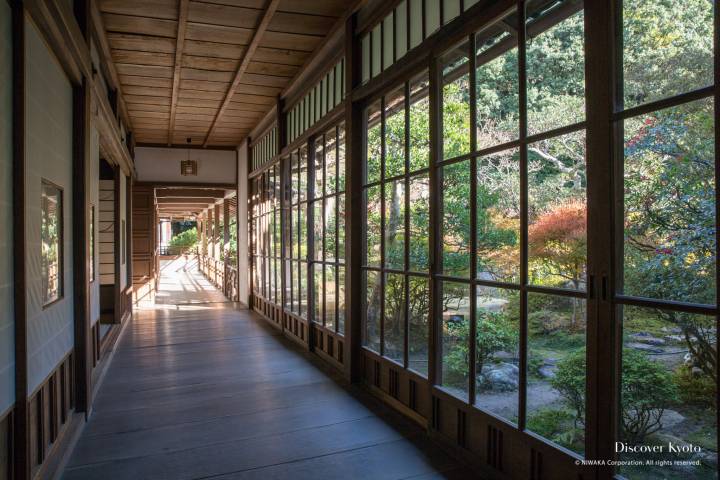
x=557, y=425
x=188, y=238
x=695, y=389
x=647, y=389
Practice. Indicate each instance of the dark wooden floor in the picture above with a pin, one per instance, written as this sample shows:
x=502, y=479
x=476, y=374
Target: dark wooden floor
x=207, y=391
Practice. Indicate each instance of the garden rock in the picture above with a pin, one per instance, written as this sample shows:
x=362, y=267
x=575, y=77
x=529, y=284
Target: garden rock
x=547, y=371
x=501, y=377
x=710, y=459
x=645, y=347
x=644, y=337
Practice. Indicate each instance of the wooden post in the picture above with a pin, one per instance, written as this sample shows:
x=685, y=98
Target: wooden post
x=21, y=421
x=226, y=244
x=353, y=207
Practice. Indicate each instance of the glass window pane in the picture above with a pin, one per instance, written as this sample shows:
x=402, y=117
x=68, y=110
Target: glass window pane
x=303, y=179
x=330, y=229
x=341, y=300
x=556, y=369
x=556, y=73
x=330, y=302
x=375, y=66
x=341, y=157
x=401, y=29
x=374, y=144
x=497, y=351
x=455, y=338
x=365, y=58
x=395, y=133
x=667, y=50
x=52, y=242
x=394, y=340
x=318, y=168
x=432, y=16
x=497, y=88
x=419, y=123
x=419, y=224
x=330, y=162
x=456, y=219
x=395, y=224
x=416, y=26
x=371, y=334
x=303, y=289
x=319, y=284
x=372, y=232
x=668, y=390
x=302, y=234
x=318, y=229
x=451, y=9
x=498, y=217
x=669, y=177
x=388, y=45
x=456, y=102
x=419, y=313
x=341, y=228
x=557, y=212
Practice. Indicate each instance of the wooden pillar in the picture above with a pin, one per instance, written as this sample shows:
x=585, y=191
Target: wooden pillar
x=353, y=207
x=81, y=158
x=216, y=232
x=21, y=420
x=209, y=234
x=226, y=226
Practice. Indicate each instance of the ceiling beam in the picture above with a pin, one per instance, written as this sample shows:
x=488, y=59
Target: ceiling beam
x=185, y=200
x=179, y=45
x=247, y=57
x=189, y=192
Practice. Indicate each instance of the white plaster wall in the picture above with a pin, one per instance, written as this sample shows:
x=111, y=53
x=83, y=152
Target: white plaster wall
x=94, y=199
x=242, y=225
x=163, y=165
x=48, y=155
x=7, y=330
x=123, y=240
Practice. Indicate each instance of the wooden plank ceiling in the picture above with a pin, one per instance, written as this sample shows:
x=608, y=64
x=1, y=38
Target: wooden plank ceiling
x=187, y=202
x=209, y=70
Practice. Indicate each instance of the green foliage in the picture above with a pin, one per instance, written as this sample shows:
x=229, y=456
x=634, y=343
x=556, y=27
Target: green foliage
x=557, y=425
x=695, y=389
x=188, y=238
x=647, y=389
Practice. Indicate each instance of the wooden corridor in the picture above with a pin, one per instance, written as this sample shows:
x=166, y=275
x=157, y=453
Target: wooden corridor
x=208, y=391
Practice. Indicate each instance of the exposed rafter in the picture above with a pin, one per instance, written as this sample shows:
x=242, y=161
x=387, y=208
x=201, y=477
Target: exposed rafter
x=247, y=57
x=179, y=45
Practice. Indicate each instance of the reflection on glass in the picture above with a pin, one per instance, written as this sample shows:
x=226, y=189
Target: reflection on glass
x=303, y=290
x=371, y=337
x=419, y=313
x=456, y=103
x=372, y=233
x=330, y=162
x=556, y=73
x=51, y=234
x=318, y=293
x=341, y=300
x=455, y=338
x=318, y=169
x=496, y=87
x=660, y=38
x=456, y=219
x=395, y=224
x=318, y=228
x=394, y=339
x=330, y=302
x=669, y=171
x=330, y=226
x=374, y=144
x=497, y=351
x=419, y=228
x=557, y=369
x=668, y=390
x=395, y=133
x=498, y=217
x=557, y=212
x=419, y=123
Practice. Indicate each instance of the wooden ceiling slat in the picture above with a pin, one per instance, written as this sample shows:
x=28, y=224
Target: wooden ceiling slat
x=258, y=90
x=259, y=4
x=189, y=192
x=179, y=46
x=147, y=114
x=219, y=33
x=144, y=70
x=200, y=94
x=315, y=7
x=278, y=70
x=214, y=49
x=140, y=25
x=264, y=80
x=204, y=85
x=144, y=81
x=303, y=24
x=142, y=8
x=198, y=102
x=142, y=43
x=223, y=15
x=282, y=56
x=151, y=91
x=242, y=99
x=143, y=58
x=136, y=107
x=206, y=75
x=147, y=100
x=210, y=63
x=290, y=40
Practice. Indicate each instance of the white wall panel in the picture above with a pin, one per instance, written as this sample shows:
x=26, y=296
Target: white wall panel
x=48, y=156
x=163, y=165
x=7, y=336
